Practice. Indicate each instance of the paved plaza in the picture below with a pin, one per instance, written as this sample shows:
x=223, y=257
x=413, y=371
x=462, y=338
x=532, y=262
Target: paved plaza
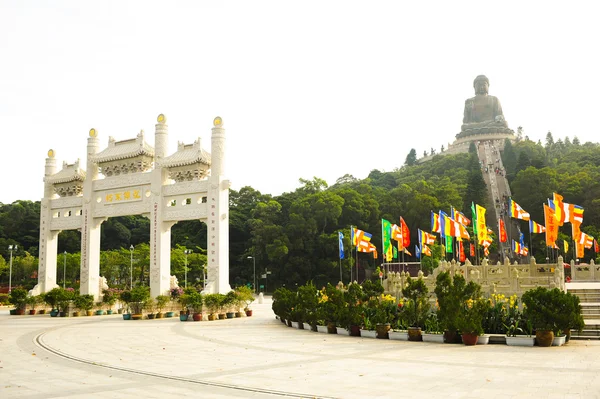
x=259, y=357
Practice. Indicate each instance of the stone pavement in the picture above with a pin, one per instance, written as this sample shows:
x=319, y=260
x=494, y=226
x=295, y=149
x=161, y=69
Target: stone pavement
x=259, y=357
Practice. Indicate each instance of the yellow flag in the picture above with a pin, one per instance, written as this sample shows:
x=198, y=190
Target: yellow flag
x=566, y=246
x=481, y=226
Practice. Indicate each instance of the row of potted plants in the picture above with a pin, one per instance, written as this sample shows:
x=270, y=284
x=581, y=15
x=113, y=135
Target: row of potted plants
x=457, y=312
x=190, y=302
x=61, y=301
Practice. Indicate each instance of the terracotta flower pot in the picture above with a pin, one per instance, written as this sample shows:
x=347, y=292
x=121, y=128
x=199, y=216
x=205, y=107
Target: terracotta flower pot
x=89, y=312
x=470, y=339
x=248, y=313
x=331, y=328
x=355, y=331
x=197, y=316
x=544, y=337
x=31, y=311
x=212, y=317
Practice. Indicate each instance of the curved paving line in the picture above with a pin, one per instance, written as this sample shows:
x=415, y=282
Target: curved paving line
x=38, y=340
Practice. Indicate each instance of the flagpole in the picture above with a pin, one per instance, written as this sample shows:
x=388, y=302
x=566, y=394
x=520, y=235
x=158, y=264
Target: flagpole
x=530, y=245
x=339, y=253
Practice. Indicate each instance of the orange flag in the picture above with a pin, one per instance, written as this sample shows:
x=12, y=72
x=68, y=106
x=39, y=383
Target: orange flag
x=405, y=233
x=502, y=230
x=551, y=226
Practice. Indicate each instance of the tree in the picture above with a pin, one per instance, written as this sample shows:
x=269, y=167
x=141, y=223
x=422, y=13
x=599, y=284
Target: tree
x=519, y=134
x=576, y=141
x=549, y=140
x=411, y=158
x=523, y=163
x=476, y=188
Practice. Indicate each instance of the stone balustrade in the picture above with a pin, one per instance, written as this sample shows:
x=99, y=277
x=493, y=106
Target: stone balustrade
x=501, y=278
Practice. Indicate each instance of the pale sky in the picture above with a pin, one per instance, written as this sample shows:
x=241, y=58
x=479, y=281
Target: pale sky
x=305, y=88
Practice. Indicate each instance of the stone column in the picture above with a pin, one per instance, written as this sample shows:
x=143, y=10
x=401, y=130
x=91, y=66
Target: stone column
x=160, y=232
x=48, y=239
x=218, y=215
x=90, y=227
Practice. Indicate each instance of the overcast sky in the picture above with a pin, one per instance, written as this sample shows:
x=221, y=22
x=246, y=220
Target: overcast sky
x=306, y=88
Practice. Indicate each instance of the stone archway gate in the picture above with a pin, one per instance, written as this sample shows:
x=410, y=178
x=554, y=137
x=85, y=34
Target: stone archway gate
x=138, y=179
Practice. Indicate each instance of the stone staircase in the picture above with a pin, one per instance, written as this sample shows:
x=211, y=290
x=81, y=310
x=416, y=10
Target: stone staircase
x=589, y=296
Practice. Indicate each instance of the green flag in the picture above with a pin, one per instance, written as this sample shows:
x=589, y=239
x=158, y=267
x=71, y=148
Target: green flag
x=449, y=244
x=386, y=233
x=474, y=219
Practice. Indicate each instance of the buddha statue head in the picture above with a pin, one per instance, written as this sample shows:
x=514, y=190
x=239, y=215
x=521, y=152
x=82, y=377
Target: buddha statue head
x=481, y=85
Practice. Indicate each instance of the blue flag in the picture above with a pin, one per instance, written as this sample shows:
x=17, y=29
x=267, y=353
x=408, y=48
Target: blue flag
x=417, y=252
x=341, y=239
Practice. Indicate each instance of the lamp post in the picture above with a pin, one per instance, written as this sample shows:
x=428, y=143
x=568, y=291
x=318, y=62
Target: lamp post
x=131, y=268
x=64, y=268
x=10, y=248
x=254, y=281
x=186, y=252
x=204, y=276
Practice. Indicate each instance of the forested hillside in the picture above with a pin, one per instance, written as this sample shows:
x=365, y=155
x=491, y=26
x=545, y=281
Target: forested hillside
x=295, y=235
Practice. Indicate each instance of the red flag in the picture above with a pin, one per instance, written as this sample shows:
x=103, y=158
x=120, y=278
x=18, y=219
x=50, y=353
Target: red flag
x=405, y=233
x=461, y=252
x=502, y=229
x=472, y=250
x=596, y=249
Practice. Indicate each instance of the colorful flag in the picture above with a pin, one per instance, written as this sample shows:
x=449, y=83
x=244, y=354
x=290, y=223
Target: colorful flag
x=435, y=223
x=341, y=244
x=486, y=247
x=577, y=214
x=586, y=240
x=406, y=252
x=459, y=217
x=396, y=233
x=386, y=232
x=521, y=239
x=443, y=217
x=565, y=246
x=519, y=249
x=359, y=235
x=551, y=226
x=472, y=252
x=516, y=211
x=417, y=252
x=502, y=230
x=596, y=248
x=558, y=207
x=481, y=226
x=575, y=230
x=426, y=250
x=425, y=238
x=535, y=228
x=395, y=252
x=405, y=233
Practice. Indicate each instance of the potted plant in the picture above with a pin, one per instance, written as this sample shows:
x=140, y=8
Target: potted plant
x=470, y=320
x=229, y=302
x=433, y=329
x=125, y=298
x=368, y=328
x=541, y=307
x=161, y=302
x=399, y=329
x=281, y=302
x=174, y=295
x=65, y=297
x=569, y=318
x=212, y=304
x=417, y=306
x=139, y=297
x=109, y=298
x=51, y=299
x=18, y=298
x=32, y=301
x=452, y=292
x=247, y=297
x=512, y=337
x=221, y=305
x=84, y=303
x=150, y=306
x=353, y=298
x=194, y=302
